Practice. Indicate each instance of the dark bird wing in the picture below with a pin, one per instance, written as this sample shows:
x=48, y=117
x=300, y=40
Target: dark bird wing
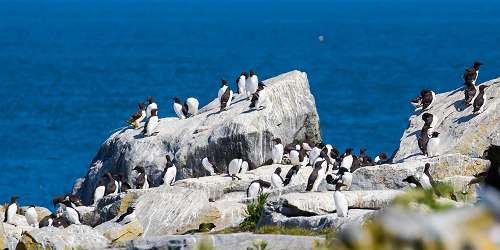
x=290, y=174
x=185, y=109
x=311, y=179
x=125, y=186
x=426, y=99
x=423, y=140
x=110, y=188
x=139, y=181
x=5, y=214
x=120, y=219
x=44, y=222
x=255, y=98
x=224, y=98
x=478, y=103
x=135, y=116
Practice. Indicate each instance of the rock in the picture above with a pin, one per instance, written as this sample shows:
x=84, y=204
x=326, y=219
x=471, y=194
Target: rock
x=270, y=218
x=290, y=114
x=460, y=131
x=217, y=186
x=317, y=203
x=87, y=215
x=464, y=228
x=390, y=176
x=119, y=234
x=72, y=237
x=238, y=241
x=11, y=234
x=41, y=212
x=228, y=213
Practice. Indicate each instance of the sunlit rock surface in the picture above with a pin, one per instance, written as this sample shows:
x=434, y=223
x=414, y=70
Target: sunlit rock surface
x=290, y=113
x=460, y=131
x=239, y=241
x=72, y=237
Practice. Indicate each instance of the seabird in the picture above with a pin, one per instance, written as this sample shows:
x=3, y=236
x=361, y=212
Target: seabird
x=70, y=213
x=423, y=139
x=208, y=165
x=257, y=99
x=347, y=160
x=225, y=99
x=314, y=154
x=428, y=97
x=276, y=179
x=292, y=173
x=243, y=167
x=346, y=177
x=151, y=105
x=413, y=181
x=31, y=216
x=251, y=84
x=480, y=100
x=277, y=151
x=61, y=221
x=127, y=217
x=118, y=183
x=470, y=75
x=222, y=89
x=170, y=172
x=124, y=187
x=11, y=210
x=416, y=102
x=381, y=158
x=316, y=176
x=111, y=186
x=241, y=81
x=179, y=109
x=138, y=116
x=294, y=157
x=341, y=205
x=99, y=191
x=426, y=179
x=47, y=221
x=430, y=121
x=256, y=187
x=234, y=168
x=141, y=182
x=152, y=123
x=433, y=145
x=191, y=105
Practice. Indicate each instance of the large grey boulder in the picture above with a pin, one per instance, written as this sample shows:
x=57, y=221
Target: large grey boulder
x=238, y=241
x=72, y=237
x=460, y=131
x=318, y=203
x=290, y=114
x=390, y=176
x=319, y=222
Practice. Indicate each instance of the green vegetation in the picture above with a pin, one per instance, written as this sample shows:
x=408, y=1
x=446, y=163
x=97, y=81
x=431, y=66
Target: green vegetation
x=258, y=245
x=293, y=231
x=428, y=197
x=205, y=244
x=253, y=212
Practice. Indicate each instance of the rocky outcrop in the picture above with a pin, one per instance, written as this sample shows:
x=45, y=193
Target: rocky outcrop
x=239, y=241
x=290, y=113
x=460, y=131
x=390, y=176
x=119, y=234
x=72, y=237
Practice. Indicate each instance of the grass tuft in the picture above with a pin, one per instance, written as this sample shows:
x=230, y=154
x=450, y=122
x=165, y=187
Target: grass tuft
x=253, y=213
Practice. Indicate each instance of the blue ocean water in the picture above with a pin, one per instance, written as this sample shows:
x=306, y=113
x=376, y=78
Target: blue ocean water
x=72, y=71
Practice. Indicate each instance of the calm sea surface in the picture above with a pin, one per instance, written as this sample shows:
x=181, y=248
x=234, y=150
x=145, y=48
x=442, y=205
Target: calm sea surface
x=72, y=71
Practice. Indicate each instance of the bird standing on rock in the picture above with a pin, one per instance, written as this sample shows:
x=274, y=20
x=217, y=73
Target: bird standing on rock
x=208, y=165
x=169, y=172
x=191, y=105
x=428, y=98
x=241, y=81
x=127, y=217
x=99, y=191
x=222, y=89
x=470, y=78
x=31, y=216
x=257, y=187
x=152, y=123
x=111, y=186
x=433, y=145
x=290, y=176
x=347, y=160
x=138, y=116
x=423, y=139
x=251, y=84
x=151, y=105
x=341, y=204
x=225, y=99
x=276, y=179
x=141, y=182
x=234, y=168
x=277, y=151
x=180, y=110
x=480, y=100
x=11, y=211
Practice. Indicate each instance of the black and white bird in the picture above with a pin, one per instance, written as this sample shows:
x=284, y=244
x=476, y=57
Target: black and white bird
x=341, y=204
x=428, y=97
x=208, y=165
x=470, y=75
x=426, y=179
x=314, y=154
x=257, y=187
x=430, y=121
x=244, y=167
x=170, y=172
x=11, y=210
x=251, y=84
x=70, y=213
x=294, y=157
x=413, y=181
x=151, y=105
x=480, y=100
x=276, y=179
x=423, y=139
x=111, y=186
x=127, y=217
x=180, y=110
x=234, y=168
x=347, y=159
x=291, y=175
x=191, y=105
x=47, y=221
x=152, y=123
x=381, y=158
x=31, y=216
x=316, y=176
x=345, y=176
x=141, y=181
x=277, y=151
x=416, y=102
x=258, y=99
x=138, y=116
x=99, y=191
x=241, y=81
x=222, y=89
x=433, y=145
x=225, y=99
